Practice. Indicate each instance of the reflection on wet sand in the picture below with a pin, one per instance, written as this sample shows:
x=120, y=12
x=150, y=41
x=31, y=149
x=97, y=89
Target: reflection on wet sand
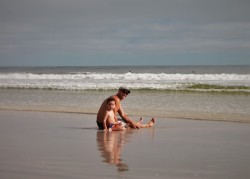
x=110, y=145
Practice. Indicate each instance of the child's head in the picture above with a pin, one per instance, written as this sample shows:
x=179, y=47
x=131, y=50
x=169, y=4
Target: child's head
x=111, y=103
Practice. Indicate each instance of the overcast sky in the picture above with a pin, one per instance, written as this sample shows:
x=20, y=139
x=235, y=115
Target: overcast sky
x=124, y=32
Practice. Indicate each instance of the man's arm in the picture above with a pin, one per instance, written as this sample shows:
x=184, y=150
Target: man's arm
x=116, y=120
x=127, y=119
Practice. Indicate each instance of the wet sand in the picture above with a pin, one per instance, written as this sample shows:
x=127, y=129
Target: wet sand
x=68, y=145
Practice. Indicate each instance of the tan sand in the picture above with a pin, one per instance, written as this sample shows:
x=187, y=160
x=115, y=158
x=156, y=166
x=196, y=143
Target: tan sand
x=45, y=145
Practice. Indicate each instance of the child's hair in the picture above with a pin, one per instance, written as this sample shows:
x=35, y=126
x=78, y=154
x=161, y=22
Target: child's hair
x=110, y=99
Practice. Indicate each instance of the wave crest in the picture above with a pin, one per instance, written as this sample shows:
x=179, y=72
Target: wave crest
x=106, y=81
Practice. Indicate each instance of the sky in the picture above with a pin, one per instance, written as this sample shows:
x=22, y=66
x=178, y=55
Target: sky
x=124, y=32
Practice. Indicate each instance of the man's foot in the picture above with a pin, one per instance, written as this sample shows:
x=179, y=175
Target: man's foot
x=141, y=120
x=152, y=122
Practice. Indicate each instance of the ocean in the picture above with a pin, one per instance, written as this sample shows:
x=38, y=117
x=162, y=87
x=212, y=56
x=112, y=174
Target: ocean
x=191, y=92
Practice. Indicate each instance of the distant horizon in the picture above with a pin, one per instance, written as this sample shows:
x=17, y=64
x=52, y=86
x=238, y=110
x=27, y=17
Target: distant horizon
x=119, y=65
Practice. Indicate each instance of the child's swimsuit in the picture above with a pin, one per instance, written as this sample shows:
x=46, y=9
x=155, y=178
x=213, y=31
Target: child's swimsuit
x=100, y=125
x=111, y=125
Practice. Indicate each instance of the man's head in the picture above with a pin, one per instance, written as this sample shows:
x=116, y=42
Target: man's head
x=123, y=92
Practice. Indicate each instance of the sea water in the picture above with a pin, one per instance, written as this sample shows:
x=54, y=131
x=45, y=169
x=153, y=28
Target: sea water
x=196, y=92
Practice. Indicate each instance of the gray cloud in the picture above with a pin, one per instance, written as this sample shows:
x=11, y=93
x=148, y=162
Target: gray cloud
x=95, y=11
x=111, y=26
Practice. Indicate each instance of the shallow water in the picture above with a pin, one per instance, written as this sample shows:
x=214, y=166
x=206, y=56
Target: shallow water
x=145, y=103
x=196, y=92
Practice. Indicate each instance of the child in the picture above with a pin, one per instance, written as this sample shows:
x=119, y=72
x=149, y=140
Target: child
x=109, y=120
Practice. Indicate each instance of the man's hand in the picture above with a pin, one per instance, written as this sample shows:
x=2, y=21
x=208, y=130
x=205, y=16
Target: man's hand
x=135, y=125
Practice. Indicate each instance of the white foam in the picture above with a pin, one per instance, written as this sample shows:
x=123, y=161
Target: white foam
x=84, y=81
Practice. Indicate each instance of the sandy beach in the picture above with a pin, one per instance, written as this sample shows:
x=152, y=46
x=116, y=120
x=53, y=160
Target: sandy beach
x=68, y=145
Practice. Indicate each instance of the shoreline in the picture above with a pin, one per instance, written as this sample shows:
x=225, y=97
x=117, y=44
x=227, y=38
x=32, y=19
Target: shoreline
x=161, y=104
x=246, y=120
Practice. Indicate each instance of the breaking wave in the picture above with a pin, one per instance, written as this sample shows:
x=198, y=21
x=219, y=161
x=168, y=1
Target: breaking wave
x=109, y=81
